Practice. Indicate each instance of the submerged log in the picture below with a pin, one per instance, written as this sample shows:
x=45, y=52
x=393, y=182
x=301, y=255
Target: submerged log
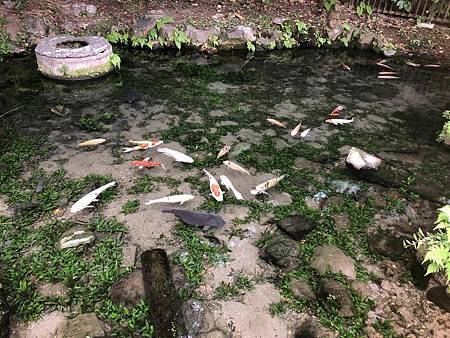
x=165, y=307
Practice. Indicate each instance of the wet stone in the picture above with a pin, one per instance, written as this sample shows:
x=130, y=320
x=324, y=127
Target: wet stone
x=296, y=226
x=281, y=251
x=330, y=258
x=311, y=328
x=333, y=295
x=84, y=325
x=387, y=245
x=241, y=33
x=143, y=26
x=129, y=291
x=129, y=255
x=439, y=296
x=301, y=289
x=302, y=163
x=341, y=222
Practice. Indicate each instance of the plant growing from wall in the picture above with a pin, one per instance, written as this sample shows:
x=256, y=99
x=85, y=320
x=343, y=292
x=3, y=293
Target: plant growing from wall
x=329, y=4
x=346, y=35
x=302, y=27
x=179, y=38
x=405, y=5
x=115, y=60
x=436, y=245
x=251, y=46
x=364, y=7
x=444, y=136
x=286, y=37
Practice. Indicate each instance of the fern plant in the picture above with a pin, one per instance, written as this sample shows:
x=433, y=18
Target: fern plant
x=115, y=60
x=436, y=244
x=444, y=136
x=251, y=46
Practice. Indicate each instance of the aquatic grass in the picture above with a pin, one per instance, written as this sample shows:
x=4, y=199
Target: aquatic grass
x=235, y=290
x=130, y=206
x=146, y=183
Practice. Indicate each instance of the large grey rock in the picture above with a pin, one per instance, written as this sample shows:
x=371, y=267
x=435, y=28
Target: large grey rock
x=197, y=37
x=365, y=40
x=311, y=328
x=330, y=258
x=241, y=33
x=36, y=26
x=387, y=245
x=143, y=26
x=166, y=31
x=439, y=296
x=281, y=251
x=74, y=237
x=296, y=226
x=82, y=326
x=129, y=291
x=91, y=10
x=333, y=295
x=301, y=289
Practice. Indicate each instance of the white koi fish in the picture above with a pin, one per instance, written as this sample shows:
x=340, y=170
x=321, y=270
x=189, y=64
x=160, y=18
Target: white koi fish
x=261, y=188
x=93, y=142
x=235, y=166
x=230, y=187
x=223, y=151
x=214, y=186
x=305, y=132
x=172, y=199
x=276, y=123
x=296, y=129
x=178, y=156
x=85, y=201
x=412, y=64
x=388, y=77
x=338, y=122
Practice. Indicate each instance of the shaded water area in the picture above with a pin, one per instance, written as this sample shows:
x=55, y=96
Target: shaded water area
x=245, y=274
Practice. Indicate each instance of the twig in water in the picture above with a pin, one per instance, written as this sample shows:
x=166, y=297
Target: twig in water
x=10, y=111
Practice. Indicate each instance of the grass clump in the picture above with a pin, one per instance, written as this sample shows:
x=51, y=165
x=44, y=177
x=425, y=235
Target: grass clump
x=229, y=291
x=130, y=207
x=96, y=123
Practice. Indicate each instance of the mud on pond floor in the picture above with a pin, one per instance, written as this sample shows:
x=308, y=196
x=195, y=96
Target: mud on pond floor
x=336, y=267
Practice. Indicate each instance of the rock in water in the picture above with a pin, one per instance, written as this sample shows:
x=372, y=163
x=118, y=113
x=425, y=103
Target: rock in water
x=296, y=226
x=166, y=311
x=84, y=325
x=75, y=237
x=333, y=295
x=129, y=291
x=281, y=251
x=439, y=296
x=130, y=96
x=361, y=160
x=330, y=258
x=311, y=328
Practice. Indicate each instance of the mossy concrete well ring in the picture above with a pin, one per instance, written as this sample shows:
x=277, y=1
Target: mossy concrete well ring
x=68, y=57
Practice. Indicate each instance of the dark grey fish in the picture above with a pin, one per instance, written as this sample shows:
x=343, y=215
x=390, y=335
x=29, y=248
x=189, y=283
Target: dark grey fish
x=202, y=219
x=130, y=96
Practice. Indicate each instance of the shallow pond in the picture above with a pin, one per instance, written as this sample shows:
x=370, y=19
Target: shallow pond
x=198, y=104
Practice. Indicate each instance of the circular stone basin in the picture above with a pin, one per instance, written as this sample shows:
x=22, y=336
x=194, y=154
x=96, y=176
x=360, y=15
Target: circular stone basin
x=74, y=58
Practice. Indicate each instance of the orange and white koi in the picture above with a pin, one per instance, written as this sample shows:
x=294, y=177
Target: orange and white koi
x=214, y=186
x=276, y=123
x=261, y=188
x=93, y=142
x=296, y=129
x=147, y=164
x=142, y=145
x=346, y=67
x=223, y=151
x=336, y=111
x=235, y=166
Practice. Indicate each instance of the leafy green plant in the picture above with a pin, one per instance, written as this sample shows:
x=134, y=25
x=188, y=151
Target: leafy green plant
x=214, y=39
x=4, y=44
x=405, y=5
x=436, y=245
x=444, y=136
x=363, y=7
x=179, y=38
x=302, y=27
x=346, y=34
x=321, y=40
x=117, y=37
x=329, y=4
x=286, y=37
x=130, y=207
x=251, y=46
x=115, y=60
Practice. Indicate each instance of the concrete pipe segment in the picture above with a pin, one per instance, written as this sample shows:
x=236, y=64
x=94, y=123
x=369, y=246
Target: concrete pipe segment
x=68, y=57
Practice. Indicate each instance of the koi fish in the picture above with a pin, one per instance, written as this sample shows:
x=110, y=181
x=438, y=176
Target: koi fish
x=336, y=111
x=338, y=122
x=178, y=156
x=388, y=77
x=296, y=129
x=432, y=66
x=142, y=145
x=235, y=166
x=85, y=201
x=172, y=199
x=346, y=67
x=202, y=219
x=216, y=192
x=93, y=142
x=276, y=123
x=147, y=164
x=261, y=188
x=223, y=151
x=387, y=73
x=381, y=64
x=412, y=64
x=305, y=132
x=230, y=187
